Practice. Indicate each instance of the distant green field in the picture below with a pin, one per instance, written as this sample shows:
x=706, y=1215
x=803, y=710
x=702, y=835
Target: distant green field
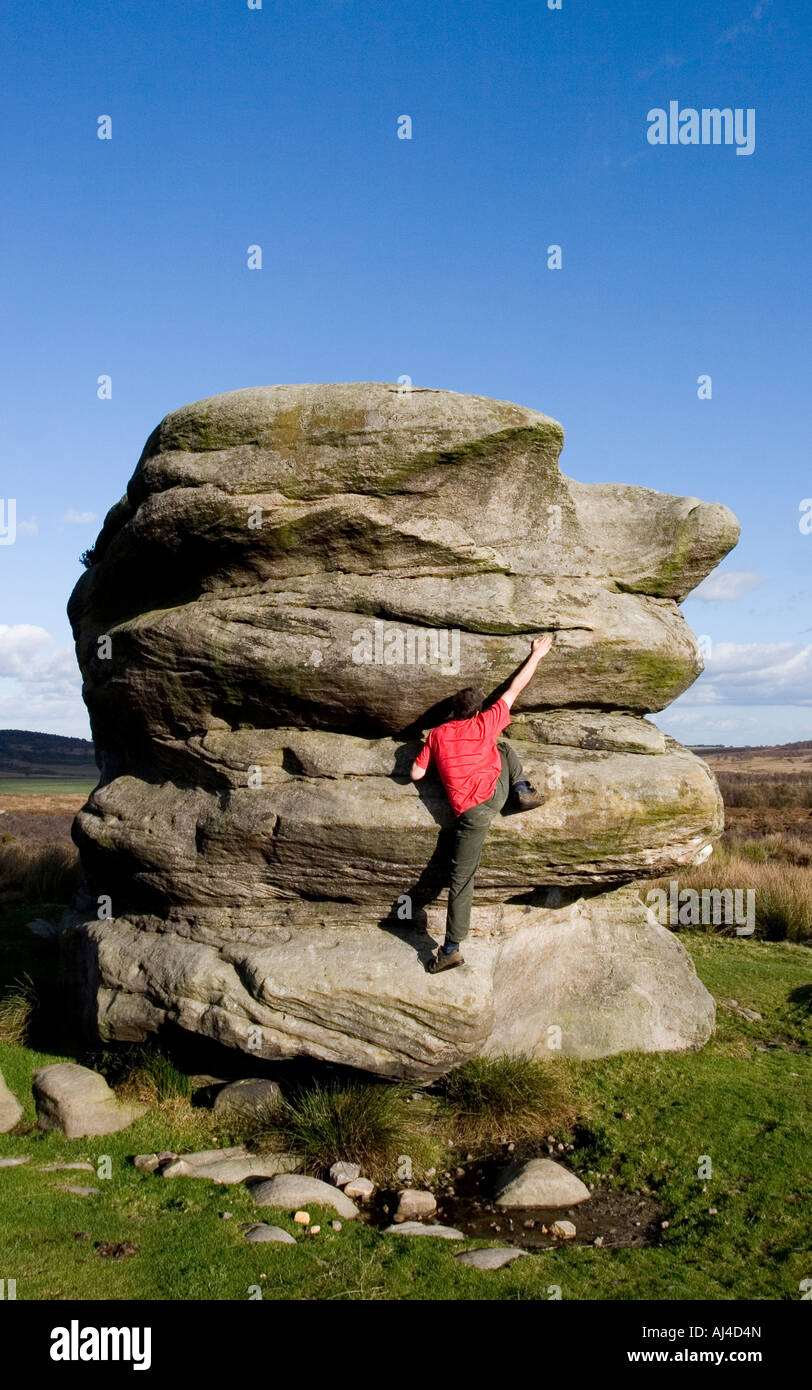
x=46, y=786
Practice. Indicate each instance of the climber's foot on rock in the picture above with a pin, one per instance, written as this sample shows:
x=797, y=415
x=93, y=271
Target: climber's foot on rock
x=444, y=960
x=525, y=797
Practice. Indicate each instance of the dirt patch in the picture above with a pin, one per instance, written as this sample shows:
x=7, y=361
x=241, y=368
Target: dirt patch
x=43, y=802
x=617, y=1219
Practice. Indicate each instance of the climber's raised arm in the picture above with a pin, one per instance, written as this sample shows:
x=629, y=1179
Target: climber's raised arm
x=539, y=647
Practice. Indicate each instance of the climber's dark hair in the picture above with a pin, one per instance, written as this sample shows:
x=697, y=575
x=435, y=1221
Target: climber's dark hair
x=466, y=703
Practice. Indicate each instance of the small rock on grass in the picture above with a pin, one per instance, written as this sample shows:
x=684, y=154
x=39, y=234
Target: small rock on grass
x=79, y=1102
x=10, y=1109
x=76, y=1190
x=262, y=1233
x=360, y=1187
x=416, y=1228
x=146, y=1163
x=341, y=1173
x=292, y=1190
x=494, y=1257
x=15, y=1162
x=252, y=1097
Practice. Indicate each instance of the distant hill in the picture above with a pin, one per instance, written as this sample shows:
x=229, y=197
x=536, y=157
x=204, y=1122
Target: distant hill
x=777, y=750
x=27, y=754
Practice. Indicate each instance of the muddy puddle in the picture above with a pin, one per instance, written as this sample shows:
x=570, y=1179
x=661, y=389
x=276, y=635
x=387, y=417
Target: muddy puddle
x=617, y=1219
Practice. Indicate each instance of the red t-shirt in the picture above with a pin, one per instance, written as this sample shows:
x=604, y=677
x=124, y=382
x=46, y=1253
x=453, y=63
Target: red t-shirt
x=466, y=755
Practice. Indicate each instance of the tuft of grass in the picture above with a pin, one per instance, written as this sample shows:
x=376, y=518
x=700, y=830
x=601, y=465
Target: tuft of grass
x=18, y=1007
x=373, y=1124
x=145, y=1074
x=490, y=1100
x=38, y=871
x=783, y=892
x=767, y=849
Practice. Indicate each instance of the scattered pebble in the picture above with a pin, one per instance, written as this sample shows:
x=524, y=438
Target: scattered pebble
x=313, y=1230
x=336, y=1225
x=413, y=1203
x=341, y=1173
x=302, y=1218
x=359, y=1187
x=565, y=1230
x=262, y=1233
x=598, y=1241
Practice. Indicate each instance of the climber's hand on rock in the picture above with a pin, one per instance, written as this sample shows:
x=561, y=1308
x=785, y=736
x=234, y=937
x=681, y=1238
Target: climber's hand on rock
x=541, y=645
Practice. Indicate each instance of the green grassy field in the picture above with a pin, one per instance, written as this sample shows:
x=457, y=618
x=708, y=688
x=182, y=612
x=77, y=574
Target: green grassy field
x=46, y=786
x=648, y=1122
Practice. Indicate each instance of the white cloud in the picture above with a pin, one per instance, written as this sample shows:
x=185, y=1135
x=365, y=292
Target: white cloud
x=731, y=584
x=78, y=518
x=40, y=684
x=754, y=673
x=20, y=645
x=27, y=528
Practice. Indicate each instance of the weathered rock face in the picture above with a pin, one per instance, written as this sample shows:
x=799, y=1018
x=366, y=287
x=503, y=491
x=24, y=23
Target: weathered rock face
x=296, y=581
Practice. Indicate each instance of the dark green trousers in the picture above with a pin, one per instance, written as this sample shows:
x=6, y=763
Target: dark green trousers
x=472, y=827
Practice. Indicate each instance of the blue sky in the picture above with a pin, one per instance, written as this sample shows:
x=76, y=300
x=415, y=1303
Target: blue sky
x=426, y=257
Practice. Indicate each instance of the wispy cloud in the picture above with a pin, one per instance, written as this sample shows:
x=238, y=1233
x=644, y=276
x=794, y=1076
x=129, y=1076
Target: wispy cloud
x=754, y=673
x=78, y=518
x=670, y=62
x=747, y=26
x=727, y=586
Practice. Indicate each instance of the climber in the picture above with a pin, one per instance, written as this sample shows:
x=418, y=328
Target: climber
x=479, y=775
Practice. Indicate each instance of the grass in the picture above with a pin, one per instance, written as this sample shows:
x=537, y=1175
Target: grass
x=645, y=1120
x=765, y=789
x=782, y=887
x=17, y=1009
x=143, y=1074
x=47, y=786
x=37, y=871
x=373, y=1124
x=492, y=1100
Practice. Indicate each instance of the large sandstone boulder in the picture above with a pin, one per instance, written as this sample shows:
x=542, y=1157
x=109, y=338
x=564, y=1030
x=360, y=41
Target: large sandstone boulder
x=294, y=584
